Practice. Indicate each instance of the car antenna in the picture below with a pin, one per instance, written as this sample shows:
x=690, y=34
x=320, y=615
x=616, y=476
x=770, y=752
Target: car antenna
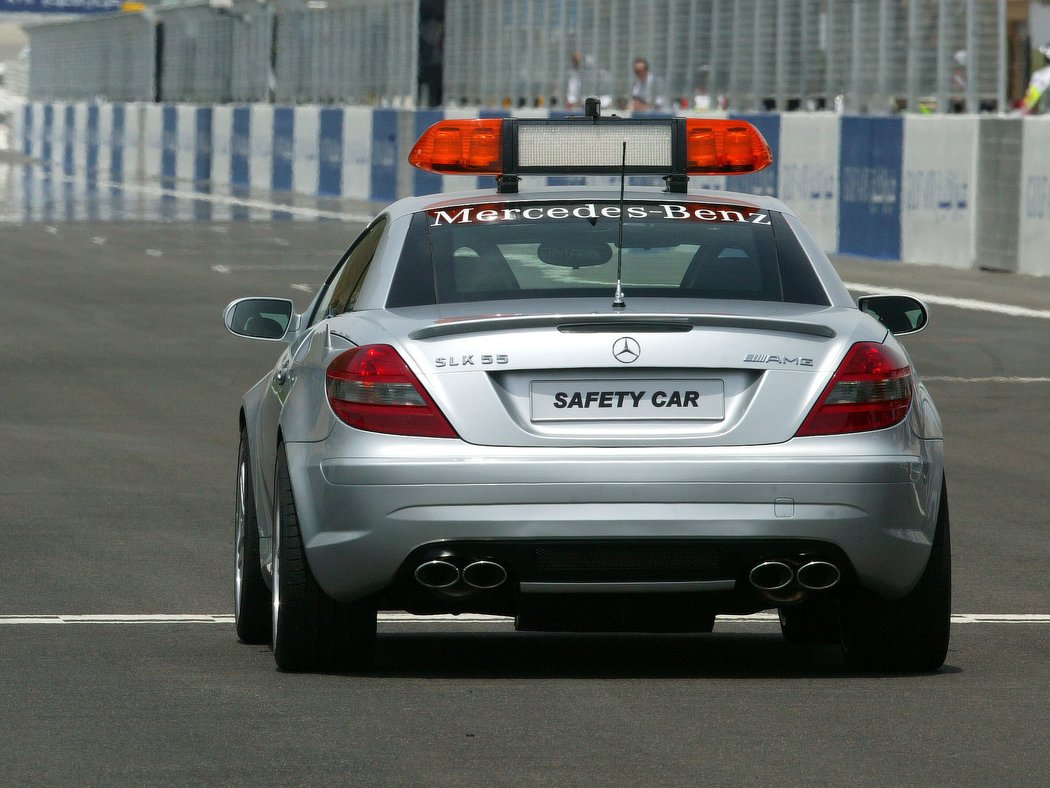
x=618, y=300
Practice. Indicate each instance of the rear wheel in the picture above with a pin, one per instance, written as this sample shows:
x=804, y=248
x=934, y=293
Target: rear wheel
x=251, y=598
x=309, y=629
x=909, y=634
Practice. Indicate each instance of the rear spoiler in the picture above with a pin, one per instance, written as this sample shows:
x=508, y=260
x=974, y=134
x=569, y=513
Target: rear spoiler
x=631, y=324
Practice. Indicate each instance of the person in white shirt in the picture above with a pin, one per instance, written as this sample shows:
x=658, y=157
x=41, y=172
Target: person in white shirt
x=574, y=84
x=647, y=93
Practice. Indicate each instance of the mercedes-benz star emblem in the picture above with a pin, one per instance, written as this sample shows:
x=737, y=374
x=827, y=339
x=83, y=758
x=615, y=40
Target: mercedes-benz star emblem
x=626, y=350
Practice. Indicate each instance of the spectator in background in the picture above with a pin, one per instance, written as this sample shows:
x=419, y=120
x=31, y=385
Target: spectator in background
x=647, y=93
x=431, y=57
x=587, y=78
x=1035, y=98
x=701, y=96
x=959, y=73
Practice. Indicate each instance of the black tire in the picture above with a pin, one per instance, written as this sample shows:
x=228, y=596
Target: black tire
x=814, y=622
x=309, y=629
x=910, y=634
x=251, y=597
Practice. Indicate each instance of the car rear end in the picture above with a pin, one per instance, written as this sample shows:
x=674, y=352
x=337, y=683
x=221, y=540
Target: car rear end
x=735, y=436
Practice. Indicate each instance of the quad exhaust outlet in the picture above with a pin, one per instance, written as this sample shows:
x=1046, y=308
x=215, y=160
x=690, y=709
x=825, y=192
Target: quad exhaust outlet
x=818, y=575
x=484, y=575
x=787, y=581
x=772, y=576
x=437, y=574
x=444, y=576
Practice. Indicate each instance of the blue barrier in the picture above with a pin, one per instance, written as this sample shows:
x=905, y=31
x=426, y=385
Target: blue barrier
x=847, y=177
x=169, y=144
x=27, y=130
x=117, y=140
x=202, y=149
x=68, y=138
x=48, y=126
x=241, y=147
x=330, y=150
x=283, y=148
x=384, y=155
x=872, y=154
x=91, y=160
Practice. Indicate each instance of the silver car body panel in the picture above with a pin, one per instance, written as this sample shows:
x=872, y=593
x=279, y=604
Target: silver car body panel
x=361, y=516
x=366, y=500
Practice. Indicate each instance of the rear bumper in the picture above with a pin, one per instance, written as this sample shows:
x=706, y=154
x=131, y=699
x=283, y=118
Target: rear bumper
x=363, y=516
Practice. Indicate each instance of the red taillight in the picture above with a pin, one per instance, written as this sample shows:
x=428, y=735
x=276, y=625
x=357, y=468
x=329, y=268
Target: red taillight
x=372, y=388
x=870, y=390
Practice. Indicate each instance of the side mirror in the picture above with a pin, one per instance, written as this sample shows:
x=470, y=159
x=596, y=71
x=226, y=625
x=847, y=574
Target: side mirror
x=259, y=318
x=901, y=314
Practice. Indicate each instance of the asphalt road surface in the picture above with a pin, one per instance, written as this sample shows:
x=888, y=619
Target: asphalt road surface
x=118, y=437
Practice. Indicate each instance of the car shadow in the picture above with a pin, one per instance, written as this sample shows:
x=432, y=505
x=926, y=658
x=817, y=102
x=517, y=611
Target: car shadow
x=517, y=655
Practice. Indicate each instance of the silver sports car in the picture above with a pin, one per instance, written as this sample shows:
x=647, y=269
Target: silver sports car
x=626, y=408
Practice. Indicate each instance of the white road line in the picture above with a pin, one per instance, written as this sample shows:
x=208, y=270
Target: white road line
x=961, y=303
x=271, y=267
x=222, y=199
x=469, y=618
x=993, y=379
x=466, y=618
x=120, y=618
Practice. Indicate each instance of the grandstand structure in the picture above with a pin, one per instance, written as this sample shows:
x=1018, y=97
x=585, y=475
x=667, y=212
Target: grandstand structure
x=855, y=56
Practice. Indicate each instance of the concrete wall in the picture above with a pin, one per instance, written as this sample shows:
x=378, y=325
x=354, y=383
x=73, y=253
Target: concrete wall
x=1033, y=253
x=937, y=199
x=962, y=191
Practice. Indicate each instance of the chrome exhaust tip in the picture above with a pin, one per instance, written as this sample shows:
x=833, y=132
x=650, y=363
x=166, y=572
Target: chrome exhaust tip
x=818, y=575
x=437, y=574
x=771, y=576
x=484, y=575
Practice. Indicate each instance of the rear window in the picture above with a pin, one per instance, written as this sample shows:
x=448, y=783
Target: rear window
x=569, y=250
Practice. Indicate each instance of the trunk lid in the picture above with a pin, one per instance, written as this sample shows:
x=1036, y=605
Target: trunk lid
x=726, y=374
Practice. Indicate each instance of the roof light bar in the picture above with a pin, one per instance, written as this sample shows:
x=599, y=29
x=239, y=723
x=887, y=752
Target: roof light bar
x=718, y=146
x=674, y=147
x=461, y=147
x=595, y=147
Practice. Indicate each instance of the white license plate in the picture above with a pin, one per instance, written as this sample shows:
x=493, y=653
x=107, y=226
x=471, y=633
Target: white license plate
x=617, y=400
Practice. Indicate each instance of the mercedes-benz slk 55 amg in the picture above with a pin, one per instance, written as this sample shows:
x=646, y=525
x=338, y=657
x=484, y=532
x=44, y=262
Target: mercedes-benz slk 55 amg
x=592, y=408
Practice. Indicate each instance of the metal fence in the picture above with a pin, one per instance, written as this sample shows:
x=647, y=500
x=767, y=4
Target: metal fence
x=111, y=58
x=196, y=46
x=362, y=52
x=871, y=55
x=351, y=51
x=865, y=56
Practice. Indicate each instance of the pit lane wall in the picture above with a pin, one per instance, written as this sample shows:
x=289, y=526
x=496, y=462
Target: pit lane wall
x=959, y=191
